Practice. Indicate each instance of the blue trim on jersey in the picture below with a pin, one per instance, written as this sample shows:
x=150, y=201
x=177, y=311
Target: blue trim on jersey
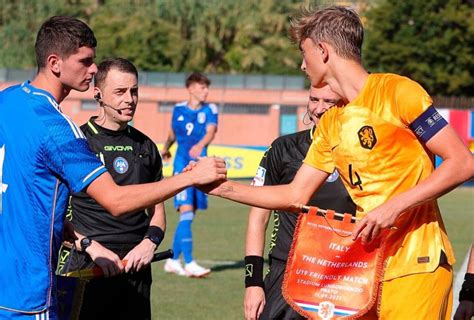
x=27, y=87
x=45, y=158
x=15, y=315
x=428, y=124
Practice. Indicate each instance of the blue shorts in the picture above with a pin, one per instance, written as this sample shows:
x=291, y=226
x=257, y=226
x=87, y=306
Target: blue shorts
x=191, y=196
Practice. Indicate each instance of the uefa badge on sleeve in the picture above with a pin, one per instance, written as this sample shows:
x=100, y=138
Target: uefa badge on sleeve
x=259, y=179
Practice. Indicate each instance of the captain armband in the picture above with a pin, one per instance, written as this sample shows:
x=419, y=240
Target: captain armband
x=467, y=290
x=253, y=271
x=428, y=124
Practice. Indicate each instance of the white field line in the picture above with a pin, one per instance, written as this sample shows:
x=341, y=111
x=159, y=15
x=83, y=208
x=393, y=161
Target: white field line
x=216, y=263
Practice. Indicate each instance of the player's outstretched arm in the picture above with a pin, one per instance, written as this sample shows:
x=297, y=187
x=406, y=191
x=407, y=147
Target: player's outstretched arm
x=457, y=167
x=254, y=299
x=119, y=200
x=290, y=197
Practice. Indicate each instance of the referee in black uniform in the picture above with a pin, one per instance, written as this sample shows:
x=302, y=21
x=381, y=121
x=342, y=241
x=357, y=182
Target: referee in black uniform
x=263, y=299
x=131, y=158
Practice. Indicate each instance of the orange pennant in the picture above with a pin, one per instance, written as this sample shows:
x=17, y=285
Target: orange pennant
x=328, y=275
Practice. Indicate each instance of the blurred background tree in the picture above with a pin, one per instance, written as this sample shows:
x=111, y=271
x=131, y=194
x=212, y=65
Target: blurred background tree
x=213, y=36
x=166, y=35
x=431, y=41
x=20, y=21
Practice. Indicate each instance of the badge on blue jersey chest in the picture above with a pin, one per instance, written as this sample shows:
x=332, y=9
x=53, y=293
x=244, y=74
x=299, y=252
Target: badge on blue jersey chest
x=201, y=117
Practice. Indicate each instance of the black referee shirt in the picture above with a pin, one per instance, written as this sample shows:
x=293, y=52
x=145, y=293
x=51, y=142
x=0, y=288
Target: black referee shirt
x=131, y=158
x=279, y=166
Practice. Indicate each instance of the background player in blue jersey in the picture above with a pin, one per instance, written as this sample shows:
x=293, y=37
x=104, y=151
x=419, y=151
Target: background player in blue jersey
x=193, y=127
x=43, y=157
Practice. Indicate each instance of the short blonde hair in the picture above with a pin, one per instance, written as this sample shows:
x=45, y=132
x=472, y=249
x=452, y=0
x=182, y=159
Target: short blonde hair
x=338, y=26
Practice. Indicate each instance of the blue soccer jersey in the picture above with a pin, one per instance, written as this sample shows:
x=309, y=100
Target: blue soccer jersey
x=43, y=156
x=190, y=127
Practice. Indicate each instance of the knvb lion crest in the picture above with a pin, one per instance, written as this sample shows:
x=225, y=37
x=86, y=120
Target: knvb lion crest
x=326, y=310
x=367, y=137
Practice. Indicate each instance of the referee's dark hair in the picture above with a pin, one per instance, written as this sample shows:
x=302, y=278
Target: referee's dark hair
x=197, y=77
x=62, y=35
x=120, y=64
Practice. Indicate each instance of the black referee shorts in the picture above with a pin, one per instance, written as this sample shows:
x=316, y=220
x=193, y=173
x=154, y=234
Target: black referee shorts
x=276, y=306
x=122, y=297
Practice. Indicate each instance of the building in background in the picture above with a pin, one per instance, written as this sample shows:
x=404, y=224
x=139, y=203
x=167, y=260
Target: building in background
x=253, y=111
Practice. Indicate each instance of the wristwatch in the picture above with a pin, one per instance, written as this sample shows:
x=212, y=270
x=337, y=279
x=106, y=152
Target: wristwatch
x=85, y=243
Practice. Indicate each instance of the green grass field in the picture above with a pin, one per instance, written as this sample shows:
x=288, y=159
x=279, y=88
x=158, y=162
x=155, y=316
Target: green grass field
x=219, y=235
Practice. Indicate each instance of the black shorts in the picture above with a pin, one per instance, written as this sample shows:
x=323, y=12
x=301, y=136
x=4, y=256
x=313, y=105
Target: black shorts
x=126, y=296
x=275, y=305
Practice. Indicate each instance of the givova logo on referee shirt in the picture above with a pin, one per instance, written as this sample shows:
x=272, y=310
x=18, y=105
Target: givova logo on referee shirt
x=367, y=137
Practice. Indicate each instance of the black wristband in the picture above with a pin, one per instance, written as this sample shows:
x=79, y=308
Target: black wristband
x=155, y=234
x=467, y=290
x=253, y=271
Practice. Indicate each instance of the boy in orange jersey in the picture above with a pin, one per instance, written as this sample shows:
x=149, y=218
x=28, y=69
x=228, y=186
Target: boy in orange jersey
x=383, y=143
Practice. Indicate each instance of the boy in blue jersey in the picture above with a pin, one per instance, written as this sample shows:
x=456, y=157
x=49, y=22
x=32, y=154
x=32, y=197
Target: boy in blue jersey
x=43, y=157
x=193, y=126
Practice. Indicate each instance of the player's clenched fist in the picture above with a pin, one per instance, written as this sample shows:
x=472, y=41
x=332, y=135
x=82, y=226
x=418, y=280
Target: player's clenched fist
x=207, y=170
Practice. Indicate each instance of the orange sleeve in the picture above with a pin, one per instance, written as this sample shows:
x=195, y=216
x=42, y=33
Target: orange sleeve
x=319, y=153
x=411, y=100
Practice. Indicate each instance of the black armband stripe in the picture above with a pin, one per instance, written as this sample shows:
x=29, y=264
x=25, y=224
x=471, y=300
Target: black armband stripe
x=253, y=271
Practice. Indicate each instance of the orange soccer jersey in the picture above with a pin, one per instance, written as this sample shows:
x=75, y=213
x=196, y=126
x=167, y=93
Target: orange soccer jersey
x=378, y=157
